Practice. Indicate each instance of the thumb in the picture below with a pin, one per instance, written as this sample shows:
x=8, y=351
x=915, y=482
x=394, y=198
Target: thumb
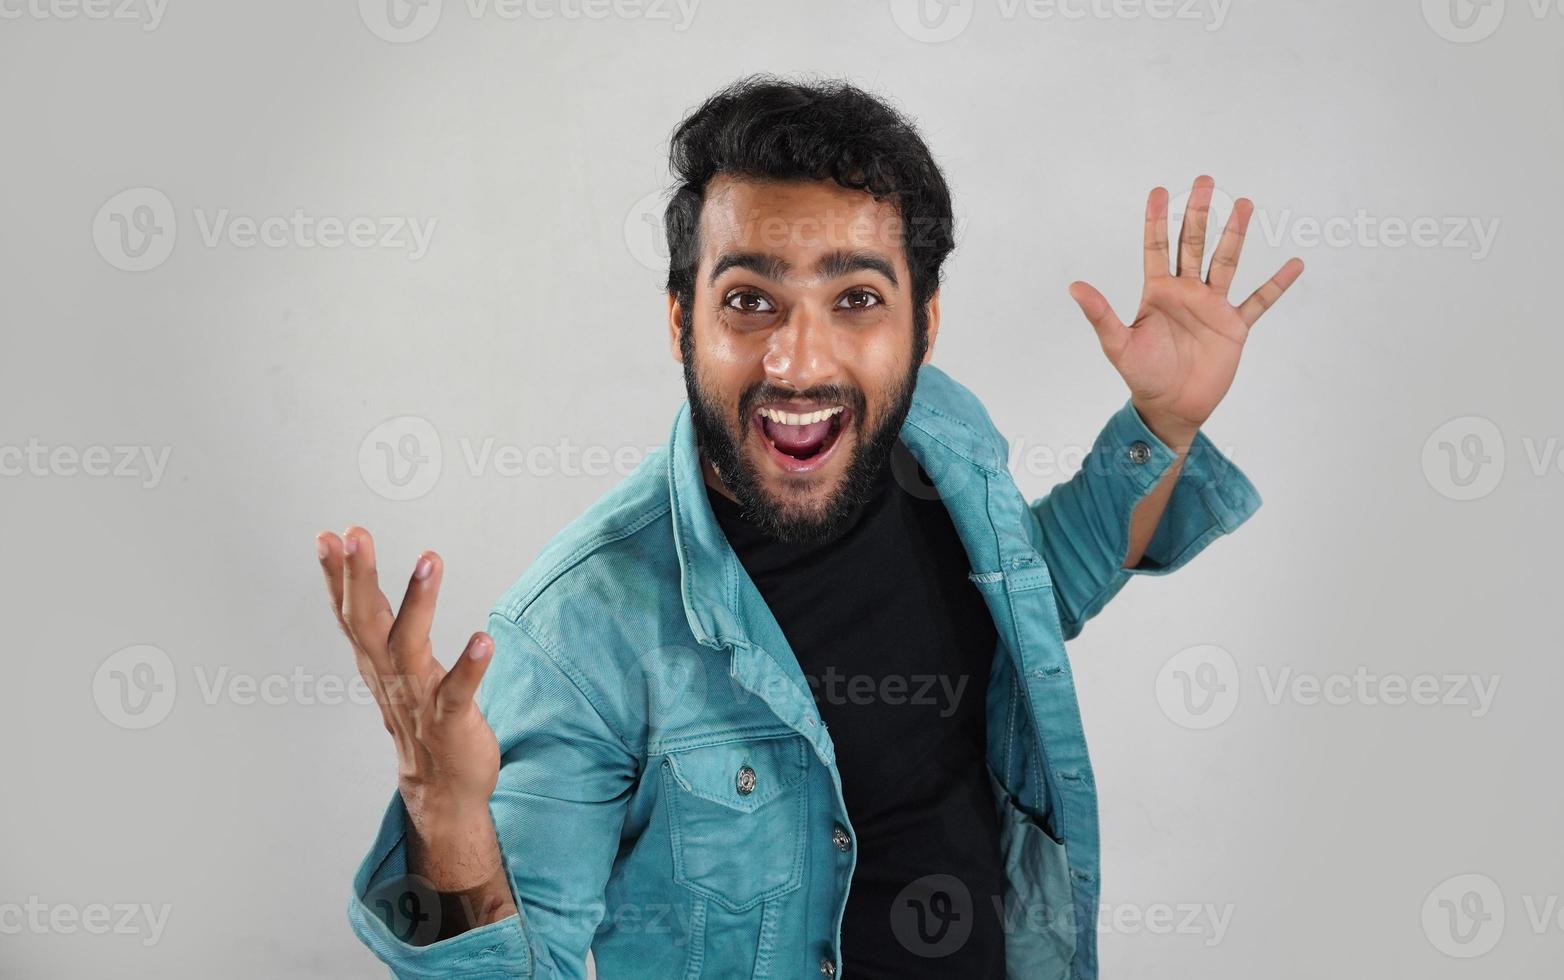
x=460, y=686
x=1111, y=333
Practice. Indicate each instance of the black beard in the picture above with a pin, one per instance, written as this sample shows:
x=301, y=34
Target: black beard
x=871, y=452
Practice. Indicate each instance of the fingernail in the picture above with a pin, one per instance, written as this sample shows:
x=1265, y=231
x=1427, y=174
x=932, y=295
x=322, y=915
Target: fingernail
x=349, y=544
x=423, y=568
x=480, y=650
x=321, y=548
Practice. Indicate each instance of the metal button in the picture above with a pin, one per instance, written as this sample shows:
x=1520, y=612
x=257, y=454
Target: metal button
x=827, y=968
x=1139, y=452
x=746, y=780
x=840, y=839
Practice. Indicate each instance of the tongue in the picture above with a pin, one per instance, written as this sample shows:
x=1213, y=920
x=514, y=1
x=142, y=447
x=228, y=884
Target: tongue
x=797, y=440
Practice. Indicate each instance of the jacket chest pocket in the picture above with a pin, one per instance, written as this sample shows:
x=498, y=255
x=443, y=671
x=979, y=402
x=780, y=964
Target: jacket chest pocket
x=736, y=814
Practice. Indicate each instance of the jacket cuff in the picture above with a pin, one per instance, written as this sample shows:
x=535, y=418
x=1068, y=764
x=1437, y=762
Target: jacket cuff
x=397, y=918
x=1212, y=496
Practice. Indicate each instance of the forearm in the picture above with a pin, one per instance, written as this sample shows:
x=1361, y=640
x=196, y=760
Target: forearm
x=458, y=855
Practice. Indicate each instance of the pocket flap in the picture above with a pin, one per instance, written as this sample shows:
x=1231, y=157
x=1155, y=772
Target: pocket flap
x=722, y=773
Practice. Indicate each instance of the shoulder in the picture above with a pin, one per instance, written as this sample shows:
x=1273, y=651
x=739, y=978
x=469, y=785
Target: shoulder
x=601, y=603
x=626, y=528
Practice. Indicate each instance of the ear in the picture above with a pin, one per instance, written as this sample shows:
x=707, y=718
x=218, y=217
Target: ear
x=675, y=315
x=933, y=325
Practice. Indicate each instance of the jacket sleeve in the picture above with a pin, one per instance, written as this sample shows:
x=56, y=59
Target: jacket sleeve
x=559, y=808
x=1083, y=525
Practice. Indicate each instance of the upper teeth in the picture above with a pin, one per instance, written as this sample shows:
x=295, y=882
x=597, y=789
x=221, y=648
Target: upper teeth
x=793, y=418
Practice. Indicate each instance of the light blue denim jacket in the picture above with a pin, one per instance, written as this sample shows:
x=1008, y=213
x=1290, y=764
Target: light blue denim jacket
x=637, y=671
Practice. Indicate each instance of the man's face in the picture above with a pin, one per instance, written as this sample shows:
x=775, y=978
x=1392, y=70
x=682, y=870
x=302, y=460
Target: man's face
x=802, y=356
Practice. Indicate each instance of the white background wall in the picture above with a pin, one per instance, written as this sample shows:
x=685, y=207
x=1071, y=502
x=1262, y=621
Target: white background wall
x=1291, y=840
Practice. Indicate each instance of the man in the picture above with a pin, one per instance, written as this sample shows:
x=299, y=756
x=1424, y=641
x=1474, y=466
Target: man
x=793, y=698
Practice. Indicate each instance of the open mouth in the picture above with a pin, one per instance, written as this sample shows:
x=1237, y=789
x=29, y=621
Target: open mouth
x=800, y=441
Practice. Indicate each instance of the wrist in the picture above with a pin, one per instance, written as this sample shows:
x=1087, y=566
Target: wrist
x=431, y=805
x=1176, y=433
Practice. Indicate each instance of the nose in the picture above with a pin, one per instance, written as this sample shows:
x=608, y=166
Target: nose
x=801, y=352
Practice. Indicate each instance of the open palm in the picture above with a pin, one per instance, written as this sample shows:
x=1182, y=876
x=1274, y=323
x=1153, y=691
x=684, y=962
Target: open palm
x=1180, y=353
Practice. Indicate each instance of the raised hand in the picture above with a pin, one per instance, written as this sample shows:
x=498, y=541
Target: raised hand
x=448, y=760
x=1180, y=353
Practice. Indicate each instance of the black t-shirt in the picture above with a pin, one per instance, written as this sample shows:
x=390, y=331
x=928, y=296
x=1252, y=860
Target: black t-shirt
x=896, y=644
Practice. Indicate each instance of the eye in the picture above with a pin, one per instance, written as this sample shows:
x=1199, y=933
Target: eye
x=860, y=299
x=748, y=301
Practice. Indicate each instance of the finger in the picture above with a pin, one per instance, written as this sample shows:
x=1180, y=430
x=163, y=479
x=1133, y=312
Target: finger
x=1224, y=261
x=364, y=606
x=461, y=683
x=1111, y=331
x=1192, y=237
x=409, y=638
x=328, y=547
x=1157, y=234
x=1266, y=296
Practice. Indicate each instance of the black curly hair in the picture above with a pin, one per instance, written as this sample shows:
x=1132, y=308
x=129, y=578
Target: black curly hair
x=770, y=128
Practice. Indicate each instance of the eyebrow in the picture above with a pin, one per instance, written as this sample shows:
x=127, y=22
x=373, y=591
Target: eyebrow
x=832, y=265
